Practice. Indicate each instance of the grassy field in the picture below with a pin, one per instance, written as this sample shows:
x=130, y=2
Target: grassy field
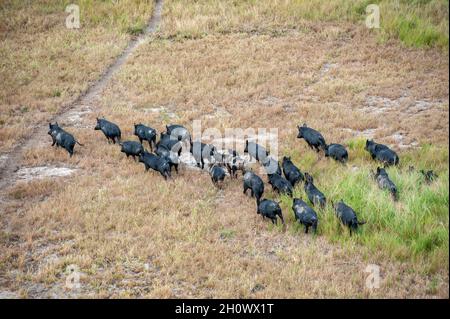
x=44, y=65
x=241, y=64
x=415, y=23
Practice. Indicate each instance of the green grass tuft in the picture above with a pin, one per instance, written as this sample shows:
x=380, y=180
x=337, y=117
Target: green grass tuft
x=416, y=226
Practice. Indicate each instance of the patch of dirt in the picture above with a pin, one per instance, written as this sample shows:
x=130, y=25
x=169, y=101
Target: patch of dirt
x=218, y=112
x=75, y=117
x=40, y=172
x=8, y=295
x=164, y=111
x=378, y=105
x=326, y=68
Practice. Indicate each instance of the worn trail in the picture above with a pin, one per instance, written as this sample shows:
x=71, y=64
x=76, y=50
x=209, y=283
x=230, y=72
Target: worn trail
x=83, y=104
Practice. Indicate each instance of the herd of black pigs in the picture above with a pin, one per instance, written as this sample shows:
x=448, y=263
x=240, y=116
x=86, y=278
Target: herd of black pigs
x=164, y=156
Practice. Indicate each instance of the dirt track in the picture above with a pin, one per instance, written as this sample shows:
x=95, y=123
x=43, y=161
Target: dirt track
x=73, y=111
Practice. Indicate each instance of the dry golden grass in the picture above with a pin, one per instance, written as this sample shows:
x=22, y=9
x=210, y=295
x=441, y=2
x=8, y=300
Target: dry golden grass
x=44, y=65
x=134, y=235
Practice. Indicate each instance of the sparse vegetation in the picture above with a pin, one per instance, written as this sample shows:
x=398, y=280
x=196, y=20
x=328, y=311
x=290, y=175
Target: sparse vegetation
x=415, y=23
x=263, y=64
x=44, y=65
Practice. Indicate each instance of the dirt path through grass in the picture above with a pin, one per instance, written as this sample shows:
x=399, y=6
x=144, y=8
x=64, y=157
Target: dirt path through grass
x=76, y=109
x=132, y=235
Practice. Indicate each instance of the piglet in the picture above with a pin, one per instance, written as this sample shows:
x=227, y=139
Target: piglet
x=291, y=172
x=305, y=215
x=315, y=196
x=384, y=182
x=270, y=209
x=430, y=176
x=217, y=174
x=347, y=216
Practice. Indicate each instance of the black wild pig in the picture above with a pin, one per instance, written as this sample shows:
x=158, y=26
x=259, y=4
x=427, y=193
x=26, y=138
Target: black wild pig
x=315, y=196
x=170, y=142
x=272, y=166
x=312, y=137
x=280, y=184
x=234, y=163
x=202, y=151
x=255, y=151
x=291, y=172
x=62, y=138
x=255, y=184
x=179, y=132
x=430, y=176
x=270, y=209
x=336, y=152
x=131, y=148
x=145, y=133
x=384, y=182
x=217, y=175
x=347, y=216
x=111, y=130
x=305, y=215
x=171, y=156
x=382, y=153
x=156, y=163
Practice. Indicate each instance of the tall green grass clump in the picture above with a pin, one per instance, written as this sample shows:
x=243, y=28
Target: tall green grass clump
x=413, y=228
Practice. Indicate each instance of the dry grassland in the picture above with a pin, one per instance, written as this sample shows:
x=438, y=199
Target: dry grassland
x=134, y=235
x=44, y=65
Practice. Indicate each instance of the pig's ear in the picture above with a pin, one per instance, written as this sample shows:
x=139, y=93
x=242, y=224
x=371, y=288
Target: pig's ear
x=304, y=124
x=50, y=125
x=378, y=170
x=267, y=153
